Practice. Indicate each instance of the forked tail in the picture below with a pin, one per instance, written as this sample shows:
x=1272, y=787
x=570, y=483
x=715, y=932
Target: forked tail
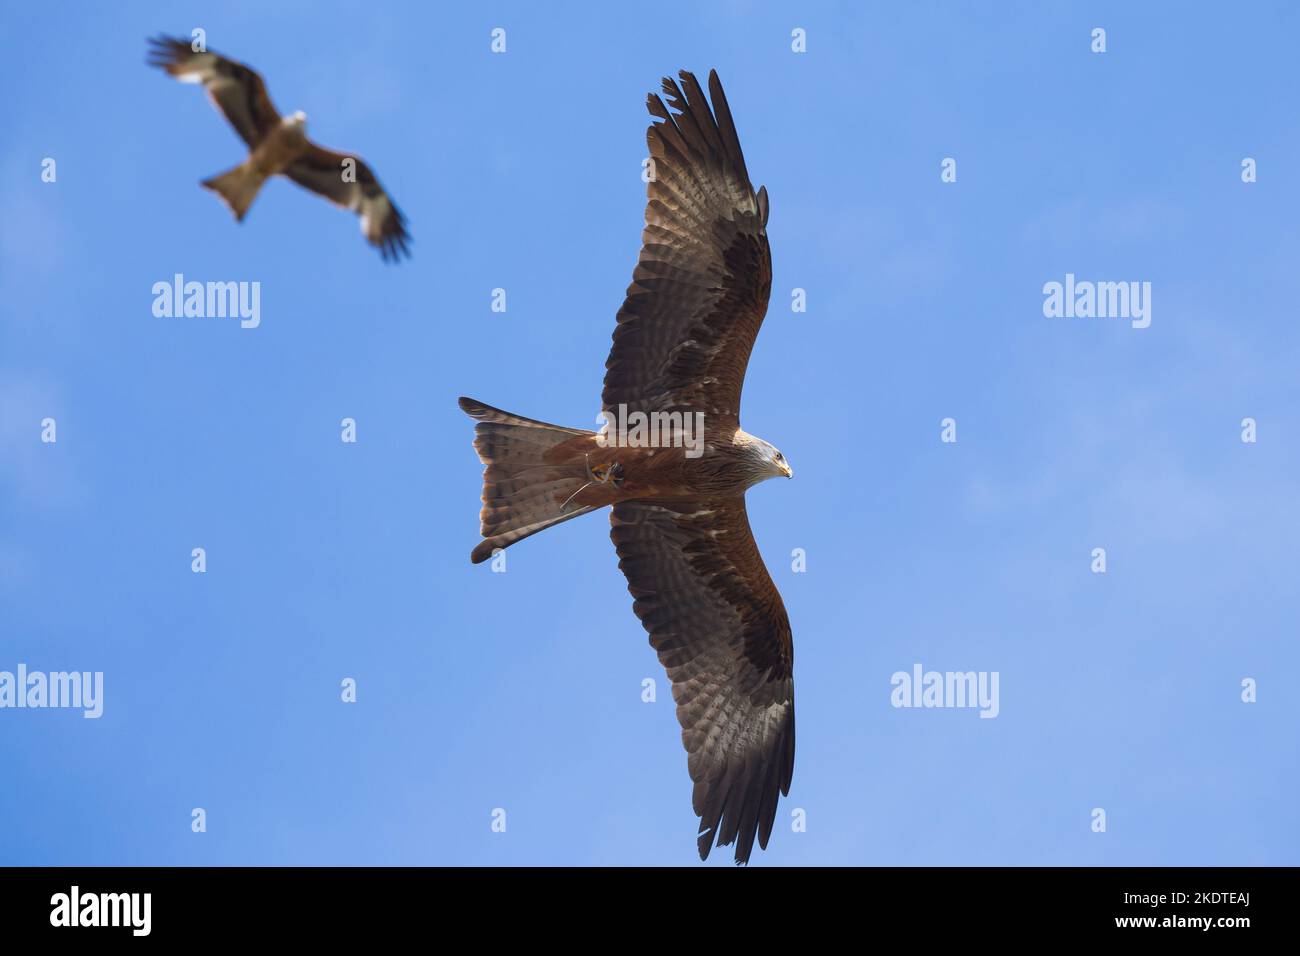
x=531, y=470
x=238, y=187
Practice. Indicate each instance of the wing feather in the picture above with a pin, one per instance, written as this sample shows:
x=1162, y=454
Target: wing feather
x=721, y=631
x=701, y=284
x=382, y=223
x=235, y=90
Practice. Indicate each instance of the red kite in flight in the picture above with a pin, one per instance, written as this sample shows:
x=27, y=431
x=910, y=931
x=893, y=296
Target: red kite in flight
x=279, y=145
x=674, y=464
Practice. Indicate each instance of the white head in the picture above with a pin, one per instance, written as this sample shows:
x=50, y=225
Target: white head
x=768, y=462
x=298, y=119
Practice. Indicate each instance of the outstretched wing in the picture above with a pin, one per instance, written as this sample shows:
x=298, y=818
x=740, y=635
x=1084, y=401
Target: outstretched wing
x=717, y=622
x=382, y=223
x=701, y=284
x=234, y=89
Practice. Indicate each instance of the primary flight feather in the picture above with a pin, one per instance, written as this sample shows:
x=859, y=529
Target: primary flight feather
x=279, y=146
x=681, y=345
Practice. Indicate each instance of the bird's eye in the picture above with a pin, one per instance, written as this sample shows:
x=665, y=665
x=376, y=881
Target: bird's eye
x=780, y=457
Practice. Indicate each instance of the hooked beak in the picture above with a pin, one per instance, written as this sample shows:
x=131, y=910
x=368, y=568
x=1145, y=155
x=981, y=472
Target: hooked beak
x=786, y=469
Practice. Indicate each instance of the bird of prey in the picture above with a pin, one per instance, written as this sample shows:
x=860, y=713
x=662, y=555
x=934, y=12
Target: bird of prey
x=279, y=145
x=681, y=345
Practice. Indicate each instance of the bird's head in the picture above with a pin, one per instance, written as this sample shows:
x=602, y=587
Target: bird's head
x=767, y=460
x=783, y=469
x=298, y=119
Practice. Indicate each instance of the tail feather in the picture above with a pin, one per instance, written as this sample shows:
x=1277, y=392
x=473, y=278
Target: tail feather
x=486, y=413
x=532, y=468
x=237, y=187
x=499, y=542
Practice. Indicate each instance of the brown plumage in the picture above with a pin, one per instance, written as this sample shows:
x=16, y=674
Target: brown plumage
x=681, y=345
x=279, y=146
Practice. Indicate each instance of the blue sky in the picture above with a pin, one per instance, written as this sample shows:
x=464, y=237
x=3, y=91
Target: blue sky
x=522, y=690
